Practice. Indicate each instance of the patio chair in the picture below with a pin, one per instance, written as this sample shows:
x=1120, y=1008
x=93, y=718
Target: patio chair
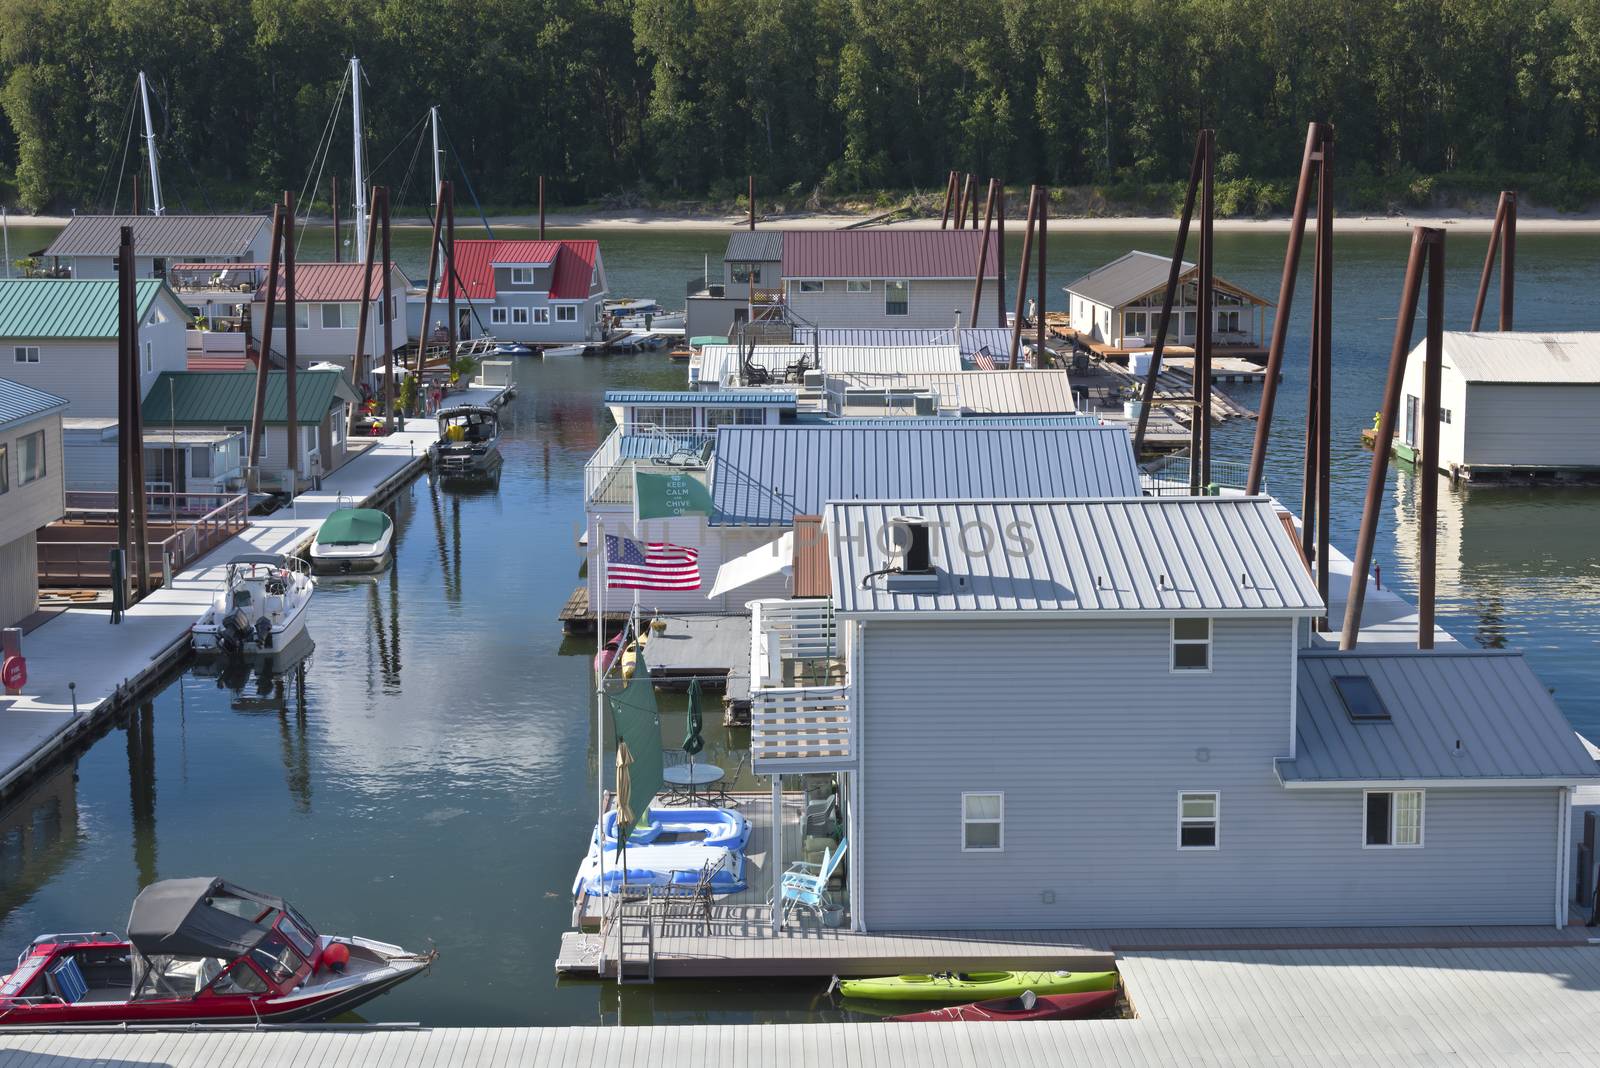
x=805, y=886
x=693, y=888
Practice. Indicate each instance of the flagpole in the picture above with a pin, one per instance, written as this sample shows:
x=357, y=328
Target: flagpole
x=600, y=705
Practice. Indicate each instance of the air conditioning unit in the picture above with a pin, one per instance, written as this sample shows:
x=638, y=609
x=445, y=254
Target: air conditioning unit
x=927, y=404
x=716, y=289
x=814, y=380
x=911, y=554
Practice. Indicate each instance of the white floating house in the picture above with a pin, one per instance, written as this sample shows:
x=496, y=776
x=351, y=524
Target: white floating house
x=1118, y=306
x=1511, y=405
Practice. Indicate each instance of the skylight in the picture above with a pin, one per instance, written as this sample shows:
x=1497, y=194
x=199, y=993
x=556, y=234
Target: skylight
x=1360, y=698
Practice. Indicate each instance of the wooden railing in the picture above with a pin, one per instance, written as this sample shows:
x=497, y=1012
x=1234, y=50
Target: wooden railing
x=87, y=562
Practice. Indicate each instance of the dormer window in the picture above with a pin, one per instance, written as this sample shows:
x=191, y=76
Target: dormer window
x=522, y=276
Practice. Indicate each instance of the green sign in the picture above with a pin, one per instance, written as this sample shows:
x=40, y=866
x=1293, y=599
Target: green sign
x=666, y=496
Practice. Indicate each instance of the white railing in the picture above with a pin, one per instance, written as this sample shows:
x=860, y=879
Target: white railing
x=793, y=630
x=215, y=342
x=801, y=728
x=607, y=476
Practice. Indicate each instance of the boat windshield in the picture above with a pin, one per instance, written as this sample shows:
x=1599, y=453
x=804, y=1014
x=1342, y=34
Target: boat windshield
x=299, y=938
x=276, y=958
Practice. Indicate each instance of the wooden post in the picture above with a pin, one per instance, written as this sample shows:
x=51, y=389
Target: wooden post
x=750, y=198
x=1200, y=429
x=1022, y=274
x=358, y=360
x=388, y=316
x=427, y=300
x=1508, y=260
x=999, y=255
x=1041, y=355
x=138, y=200
x=972, y=205
x=983, y=257
x=949, y=200
x=290, y=398
x=1421, y=239
x=961, y=203
x=127, y=391
x=263, y=357
x=133, y=428
x=1147, y=398
x=335, y=202
x=1322, y=324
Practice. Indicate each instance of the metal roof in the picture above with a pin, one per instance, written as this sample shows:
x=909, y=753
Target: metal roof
x=886, y=254
x=1133, y=274
x=1489, y=703
x=69, y=307
x=575, y=263
x=1040, y=392
x=329, y=282
x=966, y=420
x=1159, y=556
x=1520, y=357
x=20, y=403
x=721, y=363
x=752, y=397
x=764, y=476
x=968, y=339
x=754, y=246
x=227, y=398
x=194, y=236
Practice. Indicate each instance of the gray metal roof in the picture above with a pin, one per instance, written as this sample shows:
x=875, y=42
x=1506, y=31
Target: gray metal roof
x=970, y=421
x=764, y=476
x=1518, y=357
x=1507, y=724
x=19, y=403
x=968, y=339
x=1040, y=392
x=163, y=235
x=1130, y=275
x=754, y=246
x=1160, y=556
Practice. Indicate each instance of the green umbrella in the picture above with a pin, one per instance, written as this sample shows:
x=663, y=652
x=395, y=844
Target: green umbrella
x=692, y=742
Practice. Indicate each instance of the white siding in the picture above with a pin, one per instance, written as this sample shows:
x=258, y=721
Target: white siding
x=23, y=510
x=85, y=371
x=1454, y=396
x=716, y=545
x=933, y=303
x=1092, y=744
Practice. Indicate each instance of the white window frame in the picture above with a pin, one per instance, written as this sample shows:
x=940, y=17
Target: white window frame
x=5, y=467
x=1174, y=641
x=1215, y=820
x=1000, y=822
x=522, y=276
x=519, y=316
x=896, y=281
x=566, y=313
x=302, y=311
x=343, y=308
x=541, y=316
x=857, y=285
x=1394, y=816
x=812, y=285
x=25, y=354
x=499, y=316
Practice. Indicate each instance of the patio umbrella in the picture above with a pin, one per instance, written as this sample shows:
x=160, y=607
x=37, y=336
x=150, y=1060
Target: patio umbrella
x=624, y=813
x=692, y=742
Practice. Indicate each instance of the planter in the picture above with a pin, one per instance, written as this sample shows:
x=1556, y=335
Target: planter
x=833, y=916
x=1131, y=408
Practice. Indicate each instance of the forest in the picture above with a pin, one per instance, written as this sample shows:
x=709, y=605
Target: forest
x=650, y=101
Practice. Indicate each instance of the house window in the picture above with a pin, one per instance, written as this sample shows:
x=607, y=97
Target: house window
x=745, y=273
x=200, y=461
x=149, y=358
x=302, y=317
x=522, y=276
x=983, y=823
x=716, y=417
x=27, y=353
x=1188, y=324
x=1134, y=324
x=1393, y=819
x=678, y=418
x=541, y=316
x=519, y=316
x=897, y=298
x=812, y=285
x=158, y=267
x=336, y=426
x=566, y=313
x=1191, y=645
x=1228, y=322
x=1198, y=820
x=498, y=316
x=340, y=316
x=380, y=306
x=30, y=457
x=5, y=469
x=1444, y=415
x=857, y=285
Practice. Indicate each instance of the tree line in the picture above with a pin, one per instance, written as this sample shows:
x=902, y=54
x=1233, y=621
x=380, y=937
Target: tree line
x=656, y=100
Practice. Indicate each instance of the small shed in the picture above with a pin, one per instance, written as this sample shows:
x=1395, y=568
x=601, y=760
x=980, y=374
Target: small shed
x=1516, y=404
x=1117, y=307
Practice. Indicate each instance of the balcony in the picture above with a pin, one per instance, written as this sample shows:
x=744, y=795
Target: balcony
x=801, y=694
x=608, y=476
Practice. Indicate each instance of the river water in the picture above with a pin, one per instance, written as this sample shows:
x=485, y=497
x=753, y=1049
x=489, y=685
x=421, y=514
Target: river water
x=428, y=771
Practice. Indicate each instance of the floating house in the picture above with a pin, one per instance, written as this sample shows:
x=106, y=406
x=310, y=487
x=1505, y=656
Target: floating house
x=1512, y=405
x=223, y=401
x=639, y=412
x=189, y=459
x=853, y=279
x=538, y=292
x=328, y=311
x=961, y=393
x=1117, y=307
x=32, y=491
x=60, y=335
x=1280, y=781
x=88, y=246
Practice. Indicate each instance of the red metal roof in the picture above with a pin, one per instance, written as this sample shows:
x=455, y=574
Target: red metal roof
x=886, y=254
x=329, y=282
x=475, y=260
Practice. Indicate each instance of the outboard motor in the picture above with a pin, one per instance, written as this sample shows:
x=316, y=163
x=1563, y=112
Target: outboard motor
x=263, y=633
x=235, y=631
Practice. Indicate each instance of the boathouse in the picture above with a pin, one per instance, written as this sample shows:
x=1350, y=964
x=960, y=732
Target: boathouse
x=60, y=335
x=1175, y=748
x=327, y=312
x=32, y=495
x=87, y=247
x=537, y=292
x=1512, y=405
x=1117, y=307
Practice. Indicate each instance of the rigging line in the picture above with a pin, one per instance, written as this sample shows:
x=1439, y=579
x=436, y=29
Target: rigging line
x=325, y=140
x=188, y=165
x=467, y=179
x=405, y=182
x=116, y=193
x=398, y=145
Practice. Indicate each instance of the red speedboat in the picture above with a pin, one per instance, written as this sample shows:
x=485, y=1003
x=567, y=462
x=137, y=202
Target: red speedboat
x=1029, y=1006
x=201, y=951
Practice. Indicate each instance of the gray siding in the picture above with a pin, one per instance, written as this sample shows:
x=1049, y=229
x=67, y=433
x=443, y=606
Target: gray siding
x=19, y=578
x=711, y=316
x=23, y=510
x=1092, y=745
x=84, y=371
x=933, y=303
x=1532, y=425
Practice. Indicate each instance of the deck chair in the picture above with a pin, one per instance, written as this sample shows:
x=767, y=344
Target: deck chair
x=805, y=886
x=693, y=888
x=67, y=981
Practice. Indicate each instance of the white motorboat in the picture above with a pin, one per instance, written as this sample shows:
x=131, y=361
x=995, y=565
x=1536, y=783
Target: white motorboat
x=469, y=442
x=564, y=350
x=352, y=541
x=644, y=315
x=261, y=606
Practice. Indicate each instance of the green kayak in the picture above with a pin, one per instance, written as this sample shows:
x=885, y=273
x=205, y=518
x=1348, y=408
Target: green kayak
x=975, y=986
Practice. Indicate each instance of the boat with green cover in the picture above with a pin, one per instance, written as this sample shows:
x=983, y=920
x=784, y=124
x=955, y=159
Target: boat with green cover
x=971, y=986
x=352, y=540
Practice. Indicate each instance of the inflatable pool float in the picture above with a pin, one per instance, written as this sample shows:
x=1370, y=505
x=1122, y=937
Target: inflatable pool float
x=683, y=826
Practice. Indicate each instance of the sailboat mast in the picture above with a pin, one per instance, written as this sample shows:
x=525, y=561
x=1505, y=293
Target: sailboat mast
x=157, y=205
x=438, y=159
x=361, y=219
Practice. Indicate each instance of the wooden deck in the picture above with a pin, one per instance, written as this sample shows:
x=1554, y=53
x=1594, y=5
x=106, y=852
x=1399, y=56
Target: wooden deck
x=1066, y=333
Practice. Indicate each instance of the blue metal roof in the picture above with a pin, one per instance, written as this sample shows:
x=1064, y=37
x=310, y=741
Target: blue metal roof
x=741, y=397
x=19, y=403
x=961, y=420
x=765, y=476
x=1491, y=703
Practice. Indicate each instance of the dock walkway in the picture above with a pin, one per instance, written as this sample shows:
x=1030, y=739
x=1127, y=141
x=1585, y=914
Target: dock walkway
x=109, y=664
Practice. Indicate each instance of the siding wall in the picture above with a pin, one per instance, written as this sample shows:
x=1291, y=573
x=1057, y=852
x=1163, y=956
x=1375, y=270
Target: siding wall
x=23, y=510
x=536, y=294
x=19, y=578
x=85, y=371
x=711, y=316
x=1453, y=395
x=336, y=344
x=715, y=544
x=1535, y=426
x=932, y=304
x=90, y=462
x=1092, y=745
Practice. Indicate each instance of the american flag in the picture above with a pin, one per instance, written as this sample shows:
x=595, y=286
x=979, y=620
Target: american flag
x=984, y=359
x=652, y=565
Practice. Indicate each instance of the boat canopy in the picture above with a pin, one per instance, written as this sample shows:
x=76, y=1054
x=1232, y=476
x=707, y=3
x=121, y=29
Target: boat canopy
x=270, y=559
x=353, y=526
x=182, y=918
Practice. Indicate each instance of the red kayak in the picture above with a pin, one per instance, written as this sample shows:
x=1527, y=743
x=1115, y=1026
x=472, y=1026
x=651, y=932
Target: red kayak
x=1029, y=1006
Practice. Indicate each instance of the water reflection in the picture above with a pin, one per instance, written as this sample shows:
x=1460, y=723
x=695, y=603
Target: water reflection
x=141, y=738
x=39, y=835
